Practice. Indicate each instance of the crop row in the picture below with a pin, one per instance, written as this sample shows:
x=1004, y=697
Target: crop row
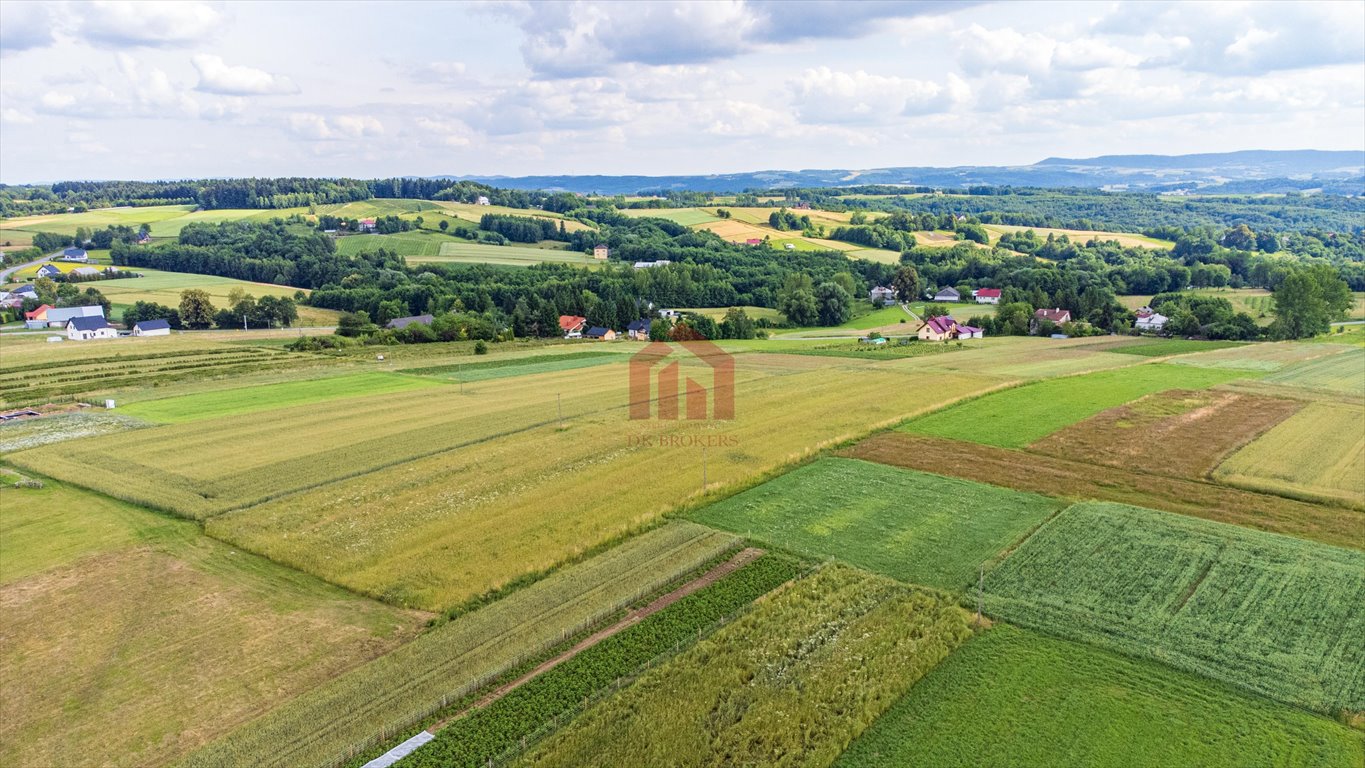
x=379, y=700
x=488, y=733
x=791, y=682
x=104, y=372
x=121, y=359
x=516, y=362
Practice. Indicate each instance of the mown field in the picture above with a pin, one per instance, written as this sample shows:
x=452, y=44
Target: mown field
x=912, y=526
x=411, y=244
x=517, y=366
x=1317, y=454
x=1265, y=356
x=505, y=255
x=1342, y=373
x=1017, y=417
x=1014, y=697
x=793, y=681
x=129, y=638
x=230, y=402
x=1082, y=236
x=388, y=696
x=1027, y=357
x=1165, y=347
x=1274, y=615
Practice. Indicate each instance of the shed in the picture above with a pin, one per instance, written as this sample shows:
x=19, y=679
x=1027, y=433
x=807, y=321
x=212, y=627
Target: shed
x=152, y=328
x=948, y=294
x=403, y=322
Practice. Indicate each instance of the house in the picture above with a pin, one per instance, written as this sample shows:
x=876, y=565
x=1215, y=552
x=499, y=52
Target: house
x=403, y=322
x=49, y=270
x=87, y=328
x=572, y=326
x=37, y=318
x=986, y=295
x=75, y=254
x=941, y=328
x=152, y=328
x=969, y=332
x=638, y=330
x=482, y=200
x=670, y=314
x=600, y=251
x=85, y=271
x=802, y=206
x=147, y=238
x=881, y=294
x=948, y=294
x=651, y=264
x=366, y=225
x=1152, y=321
x=790, y=246
x=753, y=241
x=1057, y=316
x=601, y=334
x=26, y=291
x=57, y=318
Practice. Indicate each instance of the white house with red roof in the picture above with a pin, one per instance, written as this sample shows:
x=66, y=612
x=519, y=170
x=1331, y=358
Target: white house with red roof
x=1057, y=316
x=987, y=295
x=367, y=225
x=572, y=326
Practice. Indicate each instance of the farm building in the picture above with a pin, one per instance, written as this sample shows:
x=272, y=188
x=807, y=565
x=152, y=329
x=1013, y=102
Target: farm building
x=939, y=328
x=403, y=322
x=57, y=318
x=753, y=241
x=651, y=264
x=987, y=295
x=152, y=328
x=572, y=326
x=969, y=332
x=8, y=300
x=49, y=270
x=600, y=251
x=670, y=314
x=87, y=328
x=638, y=330
x=1057, y=316
x=25, y=291
x=1150, y=321
x=36, y=318
x=601, y=334
x=482, y=200
x=948, y=294
x=75, y=254
x=881, y=293
x=366, y=225
x=85, y=271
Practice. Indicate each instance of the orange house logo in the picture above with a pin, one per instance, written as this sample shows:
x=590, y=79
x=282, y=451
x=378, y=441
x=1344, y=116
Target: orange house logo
x=676, y=395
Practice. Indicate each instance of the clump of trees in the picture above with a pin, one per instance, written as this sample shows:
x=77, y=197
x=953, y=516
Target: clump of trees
x=196, y=311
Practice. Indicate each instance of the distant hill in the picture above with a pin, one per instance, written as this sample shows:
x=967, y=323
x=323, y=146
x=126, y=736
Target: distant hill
x=1261, y=170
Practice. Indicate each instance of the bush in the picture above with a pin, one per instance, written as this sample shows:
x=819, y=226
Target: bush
x=481, y=347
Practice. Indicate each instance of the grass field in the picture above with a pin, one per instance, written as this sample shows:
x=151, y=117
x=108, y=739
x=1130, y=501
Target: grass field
x=1013, y=697
x=688, y=217
x=54, y=428
x=1275, y=615
x=94, y=675
x=1080, y=481
x=165, y=288
x=1317, y=454
x=1164, y=347
x=1184, y=433
x=1342, y=373
x=790, y=683
x=1028, y=357
x=392, y=693
x=415, y=243
x=232, y=402
x=1266, y=356
x=518, y=366
x=912, y=526
x=1082, y=236
x=506, y=255
x=1017, y=417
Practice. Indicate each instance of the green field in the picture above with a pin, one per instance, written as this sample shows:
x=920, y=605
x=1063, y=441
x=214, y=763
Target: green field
x=165, y=288
x=1012, y=697
x=913, y=526
x=396, y=691
x=685, y=216
x=1342, y=373
x=517, y=366
x=1164, y=347
x=1016, y=417
x=416, y=243
x=229, y=402
x=1278, y=616
x=1317, y=454
x=506, y=255
x=792, y=682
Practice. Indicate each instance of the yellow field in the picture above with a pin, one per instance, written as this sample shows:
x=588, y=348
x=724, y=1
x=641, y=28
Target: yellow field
x=129, y=638
x=1081, y=236
x=1318, y=454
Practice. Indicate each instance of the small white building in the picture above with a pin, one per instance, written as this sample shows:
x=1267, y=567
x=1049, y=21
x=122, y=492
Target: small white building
x=152, y=328
x=87, y=328
x=600, y=251
x=482, y=201
x=987, y=296
x=1153, y=322
x=881, y=293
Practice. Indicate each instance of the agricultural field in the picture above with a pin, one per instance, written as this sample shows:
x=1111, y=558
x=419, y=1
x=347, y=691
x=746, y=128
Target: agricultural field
x=1028, y=357
x=1342, y=373
x=517, y=366
x=754, y=313
x=1082, y=236
x=1184, y=433
x=95, y=678
x=232, y=402
x=1014, y=418
x=54, y=428
x=1081, y=481
x=1317, y=454
x=165, y=288
x=913, y=526
x=391, y=694
x=688, y=217
x=1274, y=615
x=799, y=676
x=457, y=251
x=472, y=213
x=1014, y=697
x=414, y=243
x=1265, y=356
x=1167, y=347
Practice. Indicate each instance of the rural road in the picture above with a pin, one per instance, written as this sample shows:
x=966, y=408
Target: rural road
x=300, y=329
x=7, y=271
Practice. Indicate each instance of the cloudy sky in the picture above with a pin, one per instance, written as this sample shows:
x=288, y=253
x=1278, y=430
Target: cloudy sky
x=97, y=90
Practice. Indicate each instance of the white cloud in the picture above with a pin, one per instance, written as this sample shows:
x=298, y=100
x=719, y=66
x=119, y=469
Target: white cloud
x=823, y=95
x=153, y=23
x=24, y=26
x=12, y=115
x=216, y=76
x=315, y=127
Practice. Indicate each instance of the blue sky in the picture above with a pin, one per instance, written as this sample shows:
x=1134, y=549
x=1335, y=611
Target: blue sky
x=190, y=89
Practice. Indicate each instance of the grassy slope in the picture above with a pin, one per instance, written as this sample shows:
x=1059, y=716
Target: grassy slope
x=1017, y=417
x=1342, y=373
x=913, y=526
x=1012, y=697
x=1317, y=454
x=230, y=402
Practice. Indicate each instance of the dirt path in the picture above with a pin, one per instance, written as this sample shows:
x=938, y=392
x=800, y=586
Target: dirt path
x=741, y=558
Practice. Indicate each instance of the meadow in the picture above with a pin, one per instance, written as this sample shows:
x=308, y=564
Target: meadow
x=1016, y=417
x=166, y=287
x=1342, y=373
x=503, y=368
x=232, y=402
x=913, y=526
x=504, y=255
x=1082, y=236
x=1166, y=347
x=1274, y=615
x=1027, y=357
x=1014, y=697
x=411, y=244
x=391, y=694
x=793, y=681
x=1265, y=356
x=1317, y=454
x=93, y=677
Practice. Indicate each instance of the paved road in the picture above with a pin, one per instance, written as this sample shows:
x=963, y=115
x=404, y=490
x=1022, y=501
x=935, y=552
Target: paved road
x=7, y=271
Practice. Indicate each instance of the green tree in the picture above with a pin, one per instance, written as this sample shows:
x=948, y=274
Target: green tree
x=659, y=329
x=736, y=325
x=1013, y=319
x=800, y=307
x=196, y=310
x=444, y=225
x=906, y=282
x=354, y=324
x=834, y=305
x=389, y=310
x=1308, y=300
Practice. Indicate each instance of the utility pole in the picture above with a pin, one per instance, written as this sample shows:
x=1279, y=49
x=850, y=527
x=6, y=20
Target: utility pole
x=703, y=467
x=980, y=585
x=559, y=408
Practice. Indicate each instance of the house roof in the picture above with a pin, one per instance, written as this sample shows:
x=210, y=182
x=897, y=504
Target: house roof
x=37, y=312
x=74, y=252
x=1152, y=318
x=48, y=269
x=87, y=323
x=68, y=313
x=25, y=289
x=85, y=271
x=753, y=241
x=948, y=292
x=989, y=293
x=638, y=325
x=597, y=331
x=152, y=325
x=570, y=322
x=941, y=324
x=404, y=322
x=968, y=329
x=1055, y=315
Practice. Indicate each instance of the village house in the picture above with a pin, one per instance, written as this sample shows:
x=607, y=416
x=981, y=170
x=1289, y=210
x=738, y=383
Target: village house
x=366, y=225
x=1150, y=320
x=1057, y=316
x=601, y=334
x=881, y=294
x=941, y=328
x=970, y=332
x=948, y=294
x=482, y=200
x=152, y=328
x=75, y=254
x=600, y=251
x=37, y=318
x=399, y=323
x=58, y=318
x=26, y=291
x=87, y=328
x=651, y=264
x=987, y=295
x=753, y=242
x=638, y=330
x=49, y=271
x=572, y=326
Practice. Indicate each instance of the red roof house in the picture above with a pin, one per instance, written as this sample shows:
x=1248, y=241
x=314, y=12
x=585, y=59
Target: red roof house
x=38, y=314
x=572, y=324
x=753, y=241
x=1057, y=316
x=987, y=295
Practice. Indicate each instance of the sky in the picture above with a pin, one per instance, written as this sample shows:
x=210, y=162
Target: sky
x=128, y=90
